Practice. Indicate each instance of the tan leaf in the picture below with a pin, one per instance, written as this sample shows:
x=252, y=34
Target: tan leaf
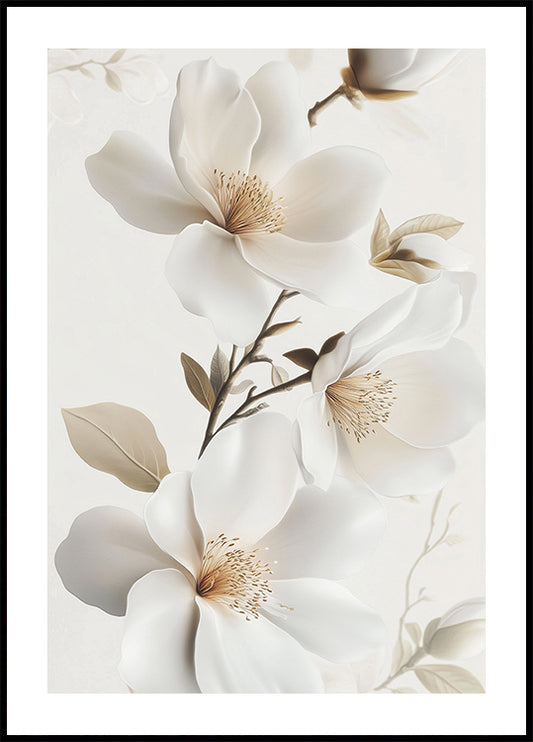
x=379, y=242
x=304, y=357
x=116, y=56
x=330, y=344
x=219, y=369
x=280, y=327
x=430, y=630
x=198, y=382
x=120, y=441
x=113, y=81
x=443, y=226
x=448, y=679
x=278, y=375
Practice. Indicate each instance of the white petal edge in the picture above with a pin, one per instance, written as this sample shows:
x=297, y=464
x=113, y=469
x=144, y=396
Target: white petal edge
x=213, y=125
x=234, y=655
x=159, y=635
x=245, y=479
x=332, y=193
x=106, y=551
x=325, y=618
x=285, y=135
x=211, y=279
x=325, y=534
x=393, y=468
x=170, y=519
x=317, y=451
x=435, y=248
x=440, y=394
x=141, y=186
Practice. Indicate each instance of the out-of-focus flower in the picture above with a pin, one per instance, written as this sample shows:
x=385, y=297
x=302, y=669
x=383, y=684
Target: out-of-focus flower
x=241, y=199
x=395, y=73
x=392, y=394
x=138, y=77
x=459, y=634
x=229, y=584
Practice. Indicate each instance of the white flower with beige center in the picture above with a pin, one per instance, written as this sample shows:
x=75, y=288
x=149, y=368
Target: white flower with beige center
x=228, y=583
x=392, y=395
x=246, y=198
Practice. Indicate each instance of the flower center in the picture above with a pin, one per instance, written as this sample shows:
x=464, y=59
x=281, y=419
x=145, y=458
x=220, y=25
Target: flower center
x=248, y=204
x=234, y=577
x=358, y=402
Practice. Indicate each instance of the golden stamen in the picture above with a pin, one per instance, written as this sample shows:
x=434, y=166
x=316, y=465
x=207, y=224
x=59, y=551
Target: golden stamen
x=248, y=204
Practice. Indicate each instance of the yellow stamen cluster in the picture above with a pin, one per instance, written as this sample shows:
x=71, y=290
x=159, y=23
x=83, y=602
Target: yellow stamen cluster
x=248, y=204
x=234, y=577
x=357, y=403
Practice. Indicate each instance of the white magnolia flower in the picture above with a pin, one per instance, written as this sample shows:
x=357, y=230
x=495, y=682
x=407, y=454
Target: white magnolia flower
x=227, y=585
x=459, y=634
x=398, y=70
x=241, y=199
x=392, y=394
x=138, y=77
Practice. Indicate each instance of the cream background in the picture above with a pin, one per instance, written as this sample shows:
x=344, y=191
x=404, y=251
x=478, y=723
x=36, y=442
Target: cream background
x=32, y=710
x=116, y=328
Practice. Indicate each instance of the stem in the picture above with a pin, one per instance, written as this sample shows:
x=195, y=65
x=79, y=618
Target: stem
x=75, y=67
x=248, y=358
x=251, y=399
x=420, y=652
x=324, y=103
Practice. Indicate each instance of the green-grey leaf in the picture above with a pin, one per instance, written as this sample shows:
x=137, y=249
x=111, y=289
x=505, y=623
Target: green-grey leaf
x=219, y=369
x=448, y=679
x=304, y=357
x=430, y=630
x=113, y=81
x=443, y=226
x=86, y=72
x=120, y=441
x=198, y=382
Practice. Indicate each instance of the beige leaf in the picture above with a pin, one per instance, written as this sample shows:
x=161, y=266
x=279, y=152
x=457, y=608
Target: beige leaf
x=281, y=327
x=414, y=631
x=198, y=382
x=113, y=81
x=116, y=56
x=242, y=387
x=448, y=679
x=219, y=369
x=379, y=242
x=331, y=343
x=443, y=226
x=120, y=441
x=430, y=630
x=278, y=375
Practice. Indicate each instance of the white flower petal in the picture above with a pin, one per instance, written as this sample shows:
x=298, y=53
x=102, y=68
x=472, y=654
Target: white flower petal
x=394, y=468
x=214, y=125
x=170, y=519
x=325, y=618
x=285, y=133
x=160, y=628
x=348, y=515
x=466, y=610
x=245, y=480
x=439, y=394
x=234, y=655
x=467, y=283
x=318, y=440
x=434, y=312
x=211, y=279
x=433, y=247
x=106, y=551
x=336, y=273
x=330, y=194
x=142, y=186
x=427, y=65
x=380, y=69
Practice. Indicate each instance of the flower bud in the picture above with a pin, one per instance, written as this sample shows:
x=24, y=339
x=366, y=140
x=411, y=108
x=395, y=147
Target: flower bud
x=460, y=633
x=396, y=73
